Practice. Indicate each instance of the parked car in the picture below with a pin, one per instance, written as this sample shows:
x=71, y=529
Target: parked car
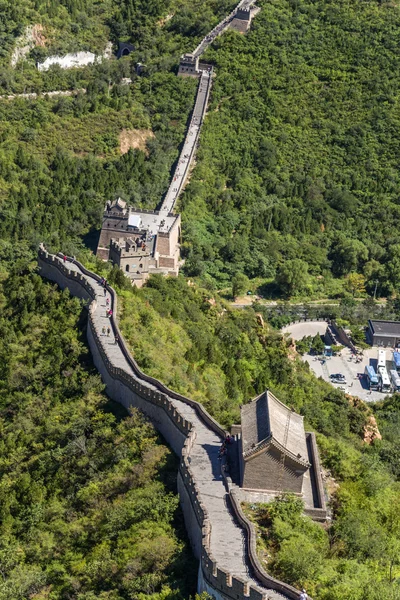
x=337, y=376
x=341, y=381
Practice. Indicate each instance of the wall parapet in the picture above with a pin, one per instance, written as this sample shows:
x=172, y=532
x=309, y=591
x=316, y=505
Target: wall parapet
x=151, y=390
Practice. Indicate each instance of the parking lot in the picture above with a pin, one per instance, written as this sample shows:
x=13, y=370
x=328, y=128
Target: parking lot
x=356, y=384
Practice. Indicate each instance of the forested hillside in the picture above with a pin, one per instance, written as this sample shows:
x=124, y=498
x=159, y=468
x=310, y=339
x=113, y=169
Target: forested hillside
x=160, y=31
x=296, y=181
x=295, y=186
x=196, y=344
x=298, y=175
x=88, y=502
x=60, y=158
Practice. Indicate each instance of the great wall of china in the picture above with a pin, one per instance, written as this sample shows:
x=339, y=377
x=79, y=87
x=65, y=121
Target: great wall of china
x=222, y=538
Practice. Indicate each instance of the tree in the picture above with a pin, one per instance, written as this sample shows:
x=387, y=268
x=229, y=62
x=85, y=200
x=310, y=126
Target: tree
x=355, y=283
x=317, y=344
x=240, y=283
x=347, y=255
x=292, y=276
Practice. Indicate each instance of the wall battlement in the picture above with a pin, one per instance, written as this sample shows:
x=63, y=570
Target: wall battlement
x=129, y=386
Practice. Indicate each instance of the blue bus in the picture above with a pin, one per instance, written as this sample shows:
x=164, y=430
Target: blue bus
x=372, y=378
x=396, y=360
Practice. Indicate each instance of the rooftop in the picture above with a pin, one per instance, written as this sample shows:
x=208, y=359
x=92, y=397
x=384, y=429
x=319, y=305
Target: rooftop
x=152, y=222
x=140, y=220
x=268, y=418
x=385, y=328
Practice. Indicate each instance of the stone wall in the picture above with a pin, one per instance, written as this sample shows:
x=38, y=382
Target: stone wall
x=154, y=399
x=266, y=466
x=319, y=512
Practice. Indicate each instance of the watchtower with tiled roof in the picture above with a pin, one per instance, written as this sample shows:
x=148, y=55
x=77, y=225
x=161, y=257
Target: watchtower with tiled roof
x=273, y=455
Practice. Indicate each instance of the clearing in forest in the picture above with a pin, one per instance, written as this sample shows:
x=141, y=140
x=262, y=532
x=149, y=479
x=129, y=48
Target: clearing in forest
x=134, y=138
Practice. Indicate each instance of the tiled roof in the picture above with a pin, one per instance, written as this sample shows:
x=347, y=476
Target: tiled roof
x=267, y=417
x=385, y=328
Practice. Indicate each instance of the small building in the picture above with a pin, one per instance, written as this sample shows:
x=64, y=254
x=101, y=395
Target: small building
x=271, y=454
x=274, y=455
x=242, y=20
x=189, y=66
x=383, y=333
x=140, y=242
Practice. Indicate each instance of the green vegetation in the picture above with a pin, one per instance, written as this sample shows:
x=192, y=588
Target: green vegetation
x=50, y=192
x=160, y=31
x=87, y=495
x=297, y=177
x=358, y=557
x=295, y=193
x=195, y=343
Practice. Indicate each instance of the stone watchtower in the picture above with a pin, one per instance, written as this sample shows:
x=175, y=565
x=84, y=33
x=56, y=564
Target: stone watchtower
x=140, y=242
x=274, y=455
x=189, y=66
x=242, y=20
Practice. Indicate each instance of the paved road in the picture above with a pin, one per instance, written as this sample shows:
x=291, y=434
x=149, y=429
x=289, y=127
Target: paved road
x=55, y=93
x=227, y=539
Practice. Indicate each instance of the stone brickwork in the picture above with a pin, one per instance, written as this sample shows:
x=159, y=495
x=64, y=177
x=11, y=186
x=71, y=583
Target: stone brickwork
x=268, y=467
x=222, y=538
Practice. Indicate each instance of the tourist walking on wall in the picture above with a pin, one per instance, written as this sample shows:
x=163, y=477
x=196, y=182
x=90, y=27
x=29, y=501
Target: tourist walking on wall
x=116, y=338
x=108, y=332
x=103, y=331
x=303, y=595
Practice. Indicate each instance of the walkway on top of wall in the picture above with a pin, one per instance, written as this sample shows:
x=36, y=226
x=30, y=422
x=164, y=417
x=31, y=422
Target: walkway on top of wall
x=192, y=135
x=189, y=145
x=220, y=28
x=228, y=543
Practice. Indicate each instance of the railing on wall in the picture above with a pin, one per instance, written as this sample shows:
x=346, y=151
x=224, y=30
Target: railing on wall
x=159, y=395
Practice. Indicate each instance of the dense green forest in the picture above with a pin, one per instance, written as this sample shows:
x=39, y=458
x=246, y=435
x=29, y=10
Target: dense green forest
x=88, y=498
x=297, y=177
x=296, y=182
x=50, y=191
x=160, y=31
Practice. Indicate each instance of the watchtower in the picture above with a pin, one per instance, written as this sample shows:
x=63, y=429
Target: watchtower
x=242, y=20
x=274, y=455
x=189, y=66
